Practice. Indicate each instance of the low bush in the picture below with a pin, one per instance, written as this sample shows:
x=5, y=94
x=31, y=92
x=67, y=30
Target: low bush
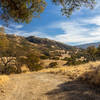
x=55, y=58
x=44, y=57
x=9, y=70
x=36, y=67
x=65, y=59
x=53, y=64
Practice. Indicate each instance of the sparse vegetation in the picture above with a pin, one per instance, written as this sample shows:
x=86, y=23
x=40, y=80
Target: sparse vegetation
x=83, y=56
x=87, y=72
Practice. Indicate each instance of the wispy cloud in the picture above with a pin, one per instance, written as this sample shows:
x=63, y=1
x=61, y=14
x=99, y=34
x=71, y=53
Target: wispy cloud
x=94, y=20
x=15, y=29
x=34, y=33
x=16, y=26
x=80, y=31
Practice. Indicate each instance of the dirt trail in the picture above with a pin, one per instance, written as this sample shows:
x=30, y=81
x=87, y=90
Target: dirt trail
x=32, y=86
x=43, y=86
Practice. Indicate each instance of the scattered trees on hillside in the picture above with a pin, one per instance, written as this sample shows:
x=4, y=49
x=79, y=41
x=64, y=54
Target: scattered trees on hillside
x=10, y=57
x=84, y=56
x=91, y=53
x=10, y=65
x=74, y=60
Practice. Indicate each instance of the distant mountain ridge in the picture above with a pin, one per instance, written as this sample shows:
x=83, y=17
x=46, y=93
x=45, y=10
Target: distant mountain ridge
x=84, y=46
x=51, y=44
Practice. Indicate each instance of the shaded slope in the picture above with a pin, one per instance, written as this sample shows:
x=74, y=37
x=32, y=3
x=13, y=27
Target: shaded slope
x=21, y=45
x=49, y=43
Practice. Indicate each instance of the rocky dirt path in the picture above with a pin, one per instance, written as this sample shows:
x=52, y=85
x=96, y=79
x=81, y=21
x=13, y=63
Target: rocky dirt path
x=43, y=86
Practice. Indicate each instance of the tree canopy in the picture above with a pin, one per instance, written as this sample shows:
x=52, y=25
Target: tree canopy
x=21, y=11
x=71, y=5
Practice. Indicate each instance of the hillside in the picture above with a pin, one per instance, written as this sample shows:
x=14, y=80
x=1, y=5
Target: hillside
x=51, y=44
x=16, y=51
x=84, y=46
x=21, y=45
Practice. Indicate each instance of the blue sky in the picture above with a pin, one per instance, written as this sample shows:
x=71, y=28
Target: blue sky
x=82, y=27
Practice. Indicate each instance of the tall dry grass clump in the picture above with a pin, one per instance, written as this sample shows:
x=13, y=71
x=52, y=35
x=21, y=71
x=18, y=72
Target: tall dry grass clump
x=3, y=80
x=89, y=72
x=91, y=77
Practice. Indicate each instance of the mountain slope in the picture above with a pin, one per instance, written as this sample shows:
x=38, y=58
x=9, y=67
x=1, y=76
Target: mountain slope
x=21, y=45
x=84, y=46
x=51, y=44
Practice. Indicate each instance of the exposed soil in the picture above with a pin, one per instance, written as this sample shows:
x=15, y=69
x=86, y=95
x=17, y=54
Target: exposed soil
x=44, y=86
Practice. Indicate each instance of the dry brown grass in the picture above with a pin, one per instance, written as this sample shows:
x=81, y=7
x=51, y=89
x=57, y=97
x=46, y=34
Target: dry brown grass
x=3, y=80
x=87, y=72
x=92, y=77
x=24, y=69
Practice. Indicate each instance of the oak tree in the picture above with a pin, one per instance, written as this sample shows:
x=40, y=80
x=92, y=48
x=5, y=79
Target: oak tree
x=21, y=11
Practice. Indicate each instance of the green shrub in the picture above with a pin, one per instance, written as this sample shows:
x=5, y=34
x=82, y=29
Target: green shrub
x=44, y=57
x=53, y=64
x=55, y=58
x=9, y=70
x=32, y=60
x=71, y=61
x=65, y=59
x=35, y=67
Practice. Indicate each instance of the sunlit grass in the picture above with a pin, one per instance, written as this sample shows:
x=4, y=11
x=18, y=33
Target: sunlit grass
x=3, y=79
x=89, y=72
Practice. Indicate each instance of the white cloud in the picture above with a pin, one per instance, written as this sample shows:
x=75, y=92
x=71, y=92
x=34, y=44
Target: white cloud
x=78, y=32
x=16, y=26
x=95, y=20
x=17, y=31
x=19, y=26
x=34, y=33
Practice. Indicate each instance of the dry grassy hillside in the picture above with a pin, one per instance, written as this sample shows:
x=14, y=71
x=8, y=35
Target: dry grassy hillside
x=89, y=73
